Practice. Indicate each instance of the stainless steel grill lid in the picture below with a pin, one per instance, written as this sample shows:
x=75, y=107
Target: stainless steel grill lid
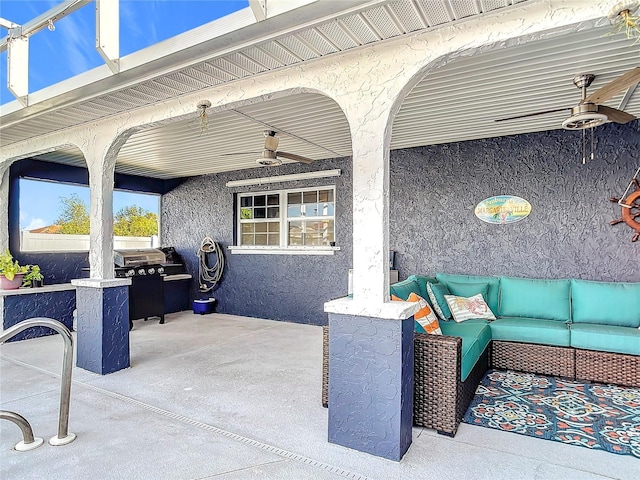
x=138, y=256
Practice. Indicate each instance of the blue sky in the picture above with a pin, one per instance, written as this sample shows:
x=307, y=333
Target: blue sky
x=46, y=209
x=70, y=49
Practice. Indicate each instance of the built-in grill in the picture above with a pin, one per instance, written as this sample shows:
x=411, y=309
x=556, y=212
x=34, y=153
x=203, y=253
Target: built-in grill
x=146, y=268
x=139, y=262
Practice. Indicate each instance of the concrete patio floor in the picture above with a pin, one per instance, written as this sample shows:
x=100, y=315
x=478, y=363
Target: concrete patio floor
x=219, y=396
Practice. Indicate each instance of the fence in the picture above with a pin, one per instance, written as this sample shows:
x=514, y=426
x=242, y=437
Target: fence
x=56, y=242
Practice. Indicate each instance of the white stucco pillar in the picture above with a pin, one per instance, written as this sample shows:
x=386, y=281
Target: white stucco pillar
x=371, y=212
x=370, y=113
x=100, y=147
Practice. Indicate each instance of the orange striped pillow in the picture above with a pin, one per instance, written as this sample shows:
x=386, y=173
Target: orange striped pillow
x=425, y=320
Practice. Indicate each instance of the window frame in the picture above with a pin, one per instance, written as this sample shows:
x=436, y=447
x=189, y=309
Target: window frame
x=284, y=220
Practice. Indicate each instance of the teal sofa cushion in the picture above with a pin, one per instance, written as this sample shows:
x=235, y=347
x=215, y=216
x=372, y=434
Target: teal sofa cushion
x=468, y=289
x=533, y=298
x=493, y=291
x=436, y=292
x=475, y=335
x=607, y=338
x=606, y=303
x=531, y=330
x=422, y=281
x=404, y=288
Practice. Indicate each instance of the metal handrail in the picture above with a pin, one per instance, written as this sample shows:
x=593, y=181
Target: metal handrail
x=29, y=442
x=63, y=437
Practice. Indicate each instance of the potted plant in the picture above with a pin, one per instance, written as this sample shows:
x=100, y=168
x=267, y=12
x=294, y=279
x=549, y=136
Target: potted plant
x=33, y=278
x=11, y=272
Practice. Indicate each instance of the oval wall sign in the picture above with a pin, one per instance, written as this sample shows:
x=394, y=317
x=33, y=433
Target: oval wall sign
x=503, y=209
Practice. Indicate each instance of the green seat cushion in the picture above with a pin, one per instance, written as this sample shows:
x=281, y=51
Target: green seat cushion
x=404, y=288
x=422, y=281
x=533, y=298
x=475, y=335
x=606, y=303
x=607, y=338
x=531, y=330
x=493, y=290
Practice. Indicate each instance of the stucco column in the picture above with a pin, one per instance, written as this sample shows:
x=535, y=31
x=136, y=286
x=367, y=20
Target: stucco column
x=371, y=338
x=102, y=301
x=100, y=147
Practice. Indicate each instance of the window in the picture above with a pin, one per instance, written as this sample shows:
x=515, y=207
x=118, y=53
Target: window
x=59, y=218
x=287, y=218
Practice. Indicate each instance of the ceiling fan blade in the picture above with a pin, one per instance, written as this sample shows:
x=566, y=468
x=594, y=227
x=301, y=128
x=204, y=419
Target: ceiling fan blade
x=616, y=115
x=293, y=156
x=240, y=153
x=614, y=87
x=532, y=114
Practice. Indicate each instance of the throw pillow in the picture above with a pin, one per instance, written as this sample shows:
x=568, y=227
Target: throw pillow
x=464, y=308
x=468, y=289
x=425, y=320
x=425, y=316
x=436, y=292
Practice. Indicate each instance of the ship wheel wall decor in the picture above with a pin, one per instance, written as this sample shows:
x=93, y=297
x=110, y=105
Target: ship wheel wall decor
x=630, y=204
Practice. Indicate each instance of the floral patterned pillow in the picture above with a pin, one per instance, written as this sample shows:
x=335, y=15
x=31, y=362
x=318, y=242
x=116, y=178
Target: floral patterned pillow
x=464, y=308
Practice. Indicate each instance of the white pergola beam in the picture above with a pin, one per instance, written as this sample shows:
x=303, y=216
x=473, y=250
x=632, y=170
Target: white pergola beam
x=4, y=23
x=41, y=21
x=259, y=9
x=108, y=32
x=18, y=69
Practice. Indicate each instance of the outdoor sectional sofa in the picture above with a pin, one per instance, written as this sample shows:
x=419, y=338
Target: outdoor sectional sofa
x=570, y=328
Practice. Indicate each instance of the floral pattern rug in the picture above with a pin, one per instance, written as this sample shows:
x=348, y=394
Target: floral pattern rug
x=591, y=415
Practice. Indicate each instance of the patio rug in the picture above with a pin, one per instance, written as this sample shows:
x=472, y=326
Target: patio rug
x=592, y=415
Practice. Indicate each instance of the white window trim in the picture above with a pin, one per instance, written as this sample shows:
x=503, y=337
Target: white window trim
x=267, y=250
x=284, y=221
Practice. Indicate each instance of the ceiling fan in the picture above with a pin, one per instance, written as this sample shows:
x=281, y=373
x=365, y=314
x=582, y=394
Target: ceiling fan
x=271, y=156
x=588, y=113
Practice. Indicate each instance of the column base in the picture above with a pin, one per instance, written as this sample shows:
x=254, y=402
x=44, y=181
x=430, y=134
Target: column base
x=371, y=384
x=103, y=325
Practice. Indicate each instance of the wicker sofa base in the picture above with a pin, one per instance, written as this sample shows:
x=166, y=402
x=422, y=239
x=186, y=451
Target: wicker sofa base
x=608, y=367
x=533, y=358
x=440, y=398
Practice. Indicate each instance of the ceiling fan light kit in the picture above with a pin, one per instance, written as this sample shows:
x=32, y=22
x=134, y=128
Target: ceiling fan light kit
x=268, y=159
x=585, y=120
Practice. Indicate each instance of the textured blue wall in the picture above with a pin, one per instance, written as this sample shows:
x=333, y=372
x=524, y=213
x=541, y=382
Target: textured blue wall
x=280, y=287
x=435, y=189
x=371, y=388
x=56, y=305
x=56, y=267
